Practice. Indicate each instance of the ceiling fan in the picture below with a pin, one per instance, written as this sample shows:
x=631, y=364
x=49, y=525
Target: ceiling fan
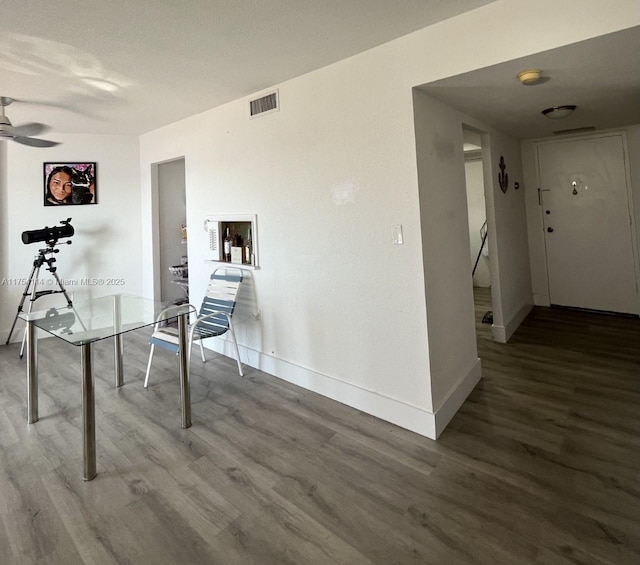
x=21, y=134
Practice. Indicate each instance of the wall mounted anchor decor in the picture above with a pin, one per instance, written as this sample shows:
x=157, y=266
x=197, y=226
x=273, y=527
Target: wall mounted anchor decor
x=503, y=178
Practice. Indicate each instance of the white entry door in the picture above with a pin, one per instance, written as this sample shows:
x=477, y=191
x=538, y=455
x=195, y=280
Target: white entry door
x=587, y=224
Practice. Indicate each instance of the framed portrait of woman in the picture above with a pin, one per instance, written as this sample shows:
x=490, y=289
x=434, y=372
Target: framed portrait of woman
x=70, y=184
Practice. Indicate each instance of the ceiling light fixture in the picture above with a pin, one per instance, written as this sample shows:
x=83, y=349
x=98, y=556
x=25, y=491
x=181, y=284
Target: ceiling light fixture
x=530, y=77
x=558, y=112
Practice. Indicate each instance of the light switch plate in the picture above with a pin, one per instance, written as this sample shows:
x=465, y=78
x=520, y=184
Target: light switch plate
x=398, y=238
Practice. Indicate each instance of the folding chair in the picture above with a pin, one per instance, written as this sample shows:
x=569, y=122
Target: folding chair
x=214, y=318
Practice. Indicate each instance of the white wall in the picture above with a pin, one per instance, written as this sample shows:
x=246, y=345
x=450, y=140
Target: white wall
x=511, y=294
x=534, y=218
x=442, y=186
x=344, y=311
x=453, y=355
x=633, y=146
x=474, y=178
x=506, y=30
x=4, y=242
x=106, y=244
x=328, y=177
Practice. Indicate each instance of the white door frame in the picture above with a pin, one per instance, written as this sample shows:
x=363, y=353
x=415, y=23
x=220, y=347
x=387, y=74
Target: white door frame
x=630, y=203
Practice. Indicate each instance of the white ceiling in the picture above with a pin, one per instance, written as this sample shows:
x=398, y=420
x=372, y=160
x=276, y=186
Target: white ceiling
x=601, y=76
x=128, y=67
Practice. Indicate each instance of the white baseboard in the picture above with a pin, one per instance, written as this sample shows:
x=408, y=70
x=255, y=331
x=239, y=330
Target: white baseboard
x=407, y=416
x=498, y=333
x=502, y=334
x=397, y=412
x=456, y=397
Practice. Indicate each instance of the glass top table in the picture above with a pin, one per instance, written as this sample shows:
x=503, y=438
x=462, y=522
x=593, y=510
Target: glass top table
x=91, y=320
x=86, y=321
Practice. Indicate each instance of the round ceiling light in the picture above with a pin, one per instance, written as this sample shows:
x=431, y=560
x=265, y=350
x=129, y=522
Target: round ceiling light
x=558, y=112
x=530, y=77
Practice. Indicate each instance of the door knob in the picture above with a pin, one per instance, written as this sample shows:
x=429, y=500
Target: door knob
x=549, y=230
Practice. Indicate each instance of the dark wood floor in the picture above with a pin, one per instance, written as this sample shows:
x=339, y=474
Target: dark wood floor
x=541, y=465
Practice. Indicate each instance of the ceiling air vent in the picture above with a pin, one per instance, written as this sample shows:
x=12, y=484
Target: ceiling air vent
x=574, y=130
x=264, y=105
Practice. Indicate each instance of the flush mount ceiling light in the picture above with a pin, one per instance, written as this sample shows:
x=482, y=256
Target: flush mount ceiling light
x=558, y=112
x=530, y=77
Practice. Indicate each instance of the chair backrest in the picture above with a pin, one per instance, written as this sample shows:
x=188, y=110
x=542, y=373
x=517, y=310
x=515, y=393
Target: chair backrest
x=221, y=296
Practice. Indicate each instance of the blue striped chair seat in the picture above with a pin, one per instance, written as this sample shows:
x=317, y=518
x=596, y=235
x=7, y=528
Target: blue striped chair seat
x=167, y=338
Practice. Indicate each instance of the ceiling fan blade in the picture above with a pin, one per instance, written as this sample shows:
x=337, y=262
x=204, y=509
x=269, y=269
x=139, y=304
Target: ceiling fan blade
x=27, y=130
x=34, y=142
x=7, y=130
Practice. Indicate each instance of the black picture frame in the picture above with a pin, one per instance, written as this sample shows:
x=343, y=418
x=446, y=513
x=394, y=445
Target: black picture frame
x=70, y=184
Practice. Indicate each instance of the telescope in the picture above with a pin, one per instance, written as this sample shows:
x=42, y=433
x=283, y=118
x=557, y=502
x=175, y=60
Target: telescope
x=50, y=235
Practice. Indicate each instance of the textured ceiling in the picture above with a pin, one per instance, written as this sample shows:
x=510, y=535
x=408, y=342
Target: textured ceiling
x=601, y=76
x=127, y=67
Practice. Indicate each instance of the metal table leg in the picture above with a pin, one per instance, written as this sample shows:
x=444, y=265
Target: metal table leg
x=32, y=373
x=118, y=352
x=185, y=391
x=88, y=416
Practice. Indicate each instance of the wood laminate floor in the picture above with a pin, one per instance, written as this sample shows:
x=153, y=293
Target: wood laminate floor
x=541, y=465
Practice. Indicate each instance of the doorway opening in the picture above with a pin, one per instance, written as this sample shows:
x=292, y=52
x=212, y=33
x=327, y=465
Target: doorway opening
x=478, y=232
x=171, y=274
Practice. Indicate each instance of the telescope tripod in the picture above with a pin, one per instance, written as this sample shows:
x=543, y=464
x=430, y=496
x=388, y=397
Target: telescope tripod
x=31, y=289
